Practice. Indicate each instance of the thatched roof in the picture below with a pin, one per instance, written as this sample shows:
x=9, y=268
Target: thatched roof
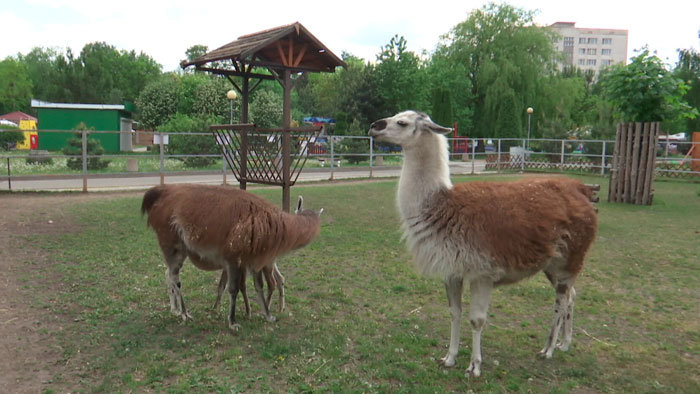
x=284, y=47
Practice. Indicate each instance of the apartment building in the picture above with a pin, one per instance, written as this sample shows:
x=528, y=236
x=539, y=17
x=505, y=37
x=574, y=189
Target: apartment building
x=590, y=49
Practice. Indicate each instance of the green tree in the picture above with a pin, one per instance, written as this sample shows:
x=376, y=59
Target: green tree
x=266, y=109
x=644, y=91
x=688, y=70
x=192, y=144
x=15, y=86
x=158, y=102
x=442, y=107
x=74, y=148
x=9, y=138
x=507, y=59
x=400, y=78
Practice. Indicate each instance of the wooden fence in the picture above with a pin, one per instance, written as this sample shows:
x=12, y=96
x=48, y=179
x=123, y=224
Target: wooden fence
x=634, y=162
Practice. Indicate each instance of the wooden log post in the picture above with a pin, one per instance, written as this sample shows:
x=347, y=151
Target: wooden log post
x=615, y=169
x=643, y=157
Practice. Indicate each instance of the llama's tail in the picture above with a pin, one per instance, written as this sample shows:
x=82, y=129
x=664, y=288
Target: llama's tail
x=150, y=198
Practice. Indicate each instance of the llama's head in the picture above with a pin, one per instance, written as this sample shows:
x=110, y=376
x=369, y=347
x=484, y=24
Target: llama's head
x=406, y=129
x=306, y=212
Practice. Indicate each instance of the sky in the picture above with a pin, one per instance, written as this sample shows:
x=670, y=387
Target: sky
x=165, y=29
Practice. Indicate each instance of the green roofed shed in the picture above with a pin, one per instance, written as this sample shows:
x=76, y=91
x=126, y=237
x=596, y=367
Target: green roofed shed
x=98, y=117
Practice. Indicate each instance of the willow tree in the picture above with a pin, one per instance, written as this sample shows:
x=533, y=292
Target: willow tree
x=508, y=59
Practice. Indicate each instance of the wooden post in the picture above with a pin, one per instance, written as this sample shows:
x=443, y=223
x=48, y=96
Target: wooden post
x=244, y=133
x=85, y=163
x=648, y=196
x=634, y=171
x=628, y=162
x=615, y=170
x=643, y=157
x=286, y=140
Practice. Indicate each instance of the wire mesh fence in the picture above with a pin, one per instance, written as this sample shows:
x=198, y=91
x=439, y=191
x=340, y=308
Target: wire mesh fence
x=162, y=154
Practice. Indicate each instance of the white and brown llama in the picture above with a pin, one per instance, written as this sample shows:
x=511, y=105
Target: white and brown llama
x=223, y=228
x=487, y=233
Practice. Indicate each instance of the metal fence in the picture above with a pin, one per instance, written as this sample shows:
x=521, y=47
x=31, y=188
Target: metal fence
x=159, y=155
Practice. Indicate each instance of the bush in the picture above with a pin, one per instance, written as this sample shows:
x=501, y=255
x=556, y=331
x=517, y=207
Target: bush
x=192, y=144
x=74, y=147
x=9, y=139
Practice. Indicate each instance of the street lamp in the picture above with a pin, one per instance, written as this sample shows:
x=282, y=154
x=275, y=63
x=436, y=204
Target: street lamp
x=529, y=115
x=231, y=95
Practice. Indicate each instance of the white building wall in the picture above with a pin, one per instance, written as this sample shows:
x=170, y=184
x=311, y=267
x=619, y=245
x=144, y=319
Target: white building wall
x=590, y=49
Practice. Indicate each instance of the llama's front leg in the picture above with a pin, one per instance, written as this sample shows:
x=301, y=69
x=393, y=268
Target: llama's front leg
x=234, y=279
x=454, y=286
x=480, y=290
x=561, y=306
x=258, y=279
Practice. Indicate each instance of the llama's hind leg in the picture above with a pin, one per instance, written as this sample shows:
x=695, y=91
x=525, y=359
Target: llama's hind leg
x=268, y=275
x=563, y=308
x=233, y=272
x=220, y=288
x=480, y=290
x=568, y=326
x=258, y=279
x=279, y=279
x=453, y=286
x=174, y=259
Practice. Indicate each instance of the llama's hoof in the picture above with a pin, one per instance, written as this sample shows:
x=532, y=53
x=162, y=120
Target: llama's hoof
x=186, y=316
x=235, y=327
x=447, y=361
x=546, y=353
x=270, y=319
x=474, y=371
x=563, y=346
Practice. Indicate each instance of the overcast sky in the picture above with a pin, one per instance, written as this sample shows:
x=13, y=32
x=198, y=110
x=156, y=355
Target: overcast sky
x=165, y=29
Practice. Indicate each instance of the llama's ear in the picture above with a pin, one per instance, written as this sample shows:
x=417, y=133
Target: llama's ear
x=300, y=204
x=436, y=128
x=432, y=126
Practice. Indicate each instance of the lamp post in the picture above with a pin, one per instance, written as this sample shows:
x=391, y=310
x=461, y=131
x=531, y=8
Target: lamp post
x=529, y=115
x=231, y=95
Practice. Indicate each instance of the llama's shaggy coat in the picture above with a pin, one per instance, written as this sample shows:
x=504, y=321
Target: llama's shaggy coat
x=510, y=232
x=222, y=228
x=487, y=233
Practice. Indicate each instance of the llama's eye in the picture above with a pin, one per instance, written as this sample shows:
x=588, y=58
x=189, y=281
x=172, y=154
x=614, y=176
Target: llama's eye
x=402, y=123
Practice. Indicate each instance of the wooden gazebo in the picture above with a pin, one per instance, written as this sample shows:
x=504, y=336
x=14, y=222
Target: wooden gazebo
x=283, y=51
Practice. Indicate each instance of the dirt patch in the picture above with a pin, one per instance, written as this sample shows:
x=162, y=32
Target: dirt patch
x=30, y=354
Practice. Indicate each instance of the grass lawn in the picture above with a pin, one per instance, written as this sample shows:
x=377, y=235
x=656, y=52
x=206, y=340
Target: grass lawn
x=360, y=320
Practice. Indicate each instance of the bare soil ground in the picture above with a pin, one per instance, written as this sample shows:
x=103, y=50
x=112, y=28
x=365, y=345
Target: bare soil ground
x=28, y=326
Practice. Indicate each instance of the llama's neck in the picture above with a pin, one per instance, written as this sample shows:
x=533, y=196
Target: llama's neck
x=425, y=170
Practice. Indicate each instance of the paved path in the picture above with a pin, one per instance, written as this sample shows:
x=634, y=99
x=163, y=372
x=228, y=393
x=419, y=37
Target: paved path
x=136, y=182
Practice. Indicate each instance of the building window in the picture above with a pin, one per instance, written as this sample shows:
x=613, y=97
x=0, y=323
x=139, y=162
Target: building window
x=581, y=62
x=590, y=62
x=607, y=41
x=582, y=40
x=592, y=41
x=605, y=62
x=582, y=51
x=591, y=51
x=568, y=42
x=607, y=52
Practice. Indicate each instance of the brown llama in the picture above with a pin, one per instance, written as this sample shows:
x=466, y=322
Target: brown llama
x=220, y=227
x=487, y=233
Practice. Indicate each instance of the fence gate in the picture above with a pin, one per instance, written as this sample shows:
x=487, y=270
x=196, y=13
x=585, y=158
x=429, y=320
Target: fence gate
x=266, y=156
x=634, y=161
